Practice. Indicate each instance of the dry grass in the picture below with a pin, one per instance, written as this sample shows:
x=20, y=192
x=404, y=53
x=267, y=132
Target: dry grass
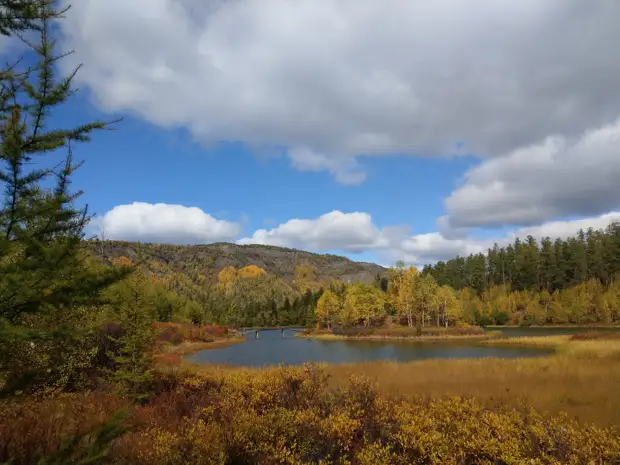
x=596, y=335
x=577, y=347
x=380, y=337
x=462, y=332
x=184, y=339
x=582, y=379
x=547, y=342
x=187, y=347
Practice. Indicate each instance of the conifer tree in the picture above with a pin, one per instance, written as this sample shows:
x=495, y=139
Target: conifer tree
x=45, y=281
x=135, y=311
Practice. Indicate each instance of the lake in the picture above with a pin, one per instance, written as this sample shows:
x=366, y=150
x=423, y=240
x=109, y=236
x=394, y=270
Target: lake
x=273, y=349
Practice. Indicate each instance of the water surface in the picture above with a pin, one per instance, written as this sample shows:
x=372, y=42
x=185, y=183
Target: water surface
x=272, y=348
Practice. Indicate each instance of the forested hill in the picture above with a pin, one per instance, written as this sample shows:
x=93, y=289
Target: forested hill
x=208, y=260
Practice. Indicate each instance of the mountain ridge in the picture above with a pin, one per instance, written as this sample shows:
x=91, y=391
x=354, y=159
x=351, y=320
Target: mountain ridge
x=209, y=259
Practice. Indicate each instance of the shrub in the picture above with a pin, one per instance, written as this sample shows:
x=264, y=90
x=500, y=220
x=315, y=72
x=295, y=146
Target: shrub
x=176, y=333
x=291, y=415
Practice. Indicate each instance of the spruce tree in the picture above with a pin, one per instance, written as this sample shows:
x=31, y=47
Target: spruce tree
x=134, y=310
x=46, y=284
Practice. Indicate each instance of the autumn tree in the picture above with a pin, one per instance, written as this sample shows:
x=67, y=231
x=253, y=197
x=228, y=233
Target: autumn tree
x=405, y=283
x=250, y=271
x=449, y=307
x=425, y=294
x=305, y=278
x=226, y=279
x=329, y=308
x=367, y=301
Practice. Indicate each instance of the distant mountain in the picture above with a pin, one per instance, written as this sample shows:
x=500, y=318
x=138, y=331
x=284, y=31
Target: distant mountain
x=208, y=260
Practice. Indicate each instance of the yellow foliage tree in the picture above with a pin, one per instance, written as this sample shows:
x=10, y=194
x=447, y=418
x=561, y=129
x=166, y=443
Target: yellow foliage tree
x=226, y=279
x=328, y=308
x=305, y=279
x=367, y=300
x=425, y=294
x=251, y=271
x=407, y=281
x=450, y=308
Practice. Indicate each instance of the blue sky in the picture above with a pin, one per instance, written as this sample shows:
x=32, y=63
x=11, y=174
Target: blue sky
x=141, y=162
x=395, y=133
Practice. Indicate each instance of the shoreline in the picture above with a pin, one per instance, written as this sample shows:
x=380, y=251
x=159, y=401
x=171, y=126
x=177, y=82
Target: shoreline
x=558, y=326
x=190, y=348
x=381, y=338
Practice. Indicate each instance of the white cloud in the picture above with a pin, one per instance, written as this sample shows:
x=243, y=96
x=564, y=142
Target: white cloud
x=332, y=79
x=557, y=178
x=164, y=223
x=349, y=232
x=566, y=229
x=346, y=170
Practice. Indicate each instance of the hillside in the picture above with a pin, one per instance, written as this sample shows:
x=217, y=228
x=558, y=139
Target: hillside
x=208, y=260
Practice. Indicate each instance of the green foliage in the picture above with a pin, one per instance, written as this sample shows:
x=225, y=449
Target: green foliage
x=24, y=15
x=532, y=266
x=133, y=309
x=46, y=283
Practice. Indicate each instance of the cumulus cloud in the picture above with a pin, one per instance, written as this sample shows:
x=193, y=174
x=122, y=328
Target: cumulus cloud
x=164, y=223
x=349, y=232
x=556, y=178
x=332, y=79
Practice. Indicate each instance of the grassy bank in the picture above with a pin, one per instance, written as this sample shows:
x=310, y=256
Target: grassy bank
x=585, y=389
x=401, y=333
x=559, y=326
x=175, y=339
x=385, y=337
x=593, y=345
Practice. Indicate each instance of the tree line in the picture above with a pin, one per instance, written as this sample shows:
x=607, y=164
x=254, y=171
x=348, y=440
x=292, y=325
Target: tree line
x=536, y=266
x=417, y=299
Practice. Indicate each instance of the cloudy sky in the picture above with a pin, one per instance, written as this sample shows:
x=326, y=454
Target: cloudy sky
x=382, y=130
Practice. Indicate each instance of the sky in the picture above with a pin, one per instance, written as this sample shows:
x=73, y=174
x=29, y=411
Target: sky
x=399, y=129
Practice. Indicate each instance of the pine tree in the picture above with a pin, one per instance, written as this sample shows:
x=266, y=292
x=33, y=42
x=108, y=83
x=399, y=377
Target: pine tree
x=134, y=309
x=45, y=280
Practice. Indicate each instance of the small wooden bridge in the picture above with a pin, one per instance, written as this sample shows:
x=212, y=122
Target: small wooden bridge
x=256, y=331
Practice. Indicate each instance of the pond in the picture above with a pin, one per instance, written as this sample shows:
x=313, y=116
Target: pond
x=273, y=348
